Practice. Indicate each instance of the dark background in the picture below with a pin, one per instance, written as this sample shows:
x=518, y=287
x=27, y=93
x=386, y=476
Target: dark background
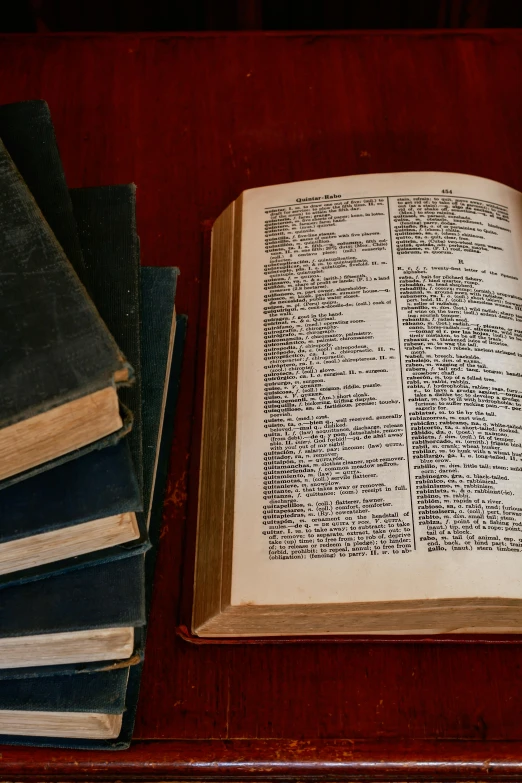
x=176, y=15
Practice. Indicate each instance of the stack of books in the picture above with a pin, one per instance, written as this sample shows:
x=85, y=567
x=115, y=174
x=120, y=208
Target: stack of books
x=90, y=355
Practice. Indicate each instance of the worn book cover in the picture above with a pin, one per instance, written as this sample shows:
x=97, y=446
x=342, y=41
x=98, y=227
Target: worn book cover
x=27, y=132
x=103, y=595
x=68, y=697
x=111, y=274
x=162, y=367
x=60, y=365
x=162, y=360
x=38, y=507
x=159, y=289
x=28, y=135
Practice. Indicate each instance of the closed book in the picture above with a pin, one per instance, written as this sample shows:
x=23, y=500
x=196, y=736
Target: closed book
x=27, y=131
x=100, y=515
x=41, y=524
x=45, y=605
x=80, y=615
x=96, y=228
x=106, y=221
x=162, y=365
x=77, y=511
x=60, y=364
x=163, y=342
x=158, y=414
x=63, y=706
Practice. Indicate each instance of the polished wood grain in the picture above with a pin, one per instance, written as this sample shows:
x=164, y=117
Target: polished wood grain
x=194, y=120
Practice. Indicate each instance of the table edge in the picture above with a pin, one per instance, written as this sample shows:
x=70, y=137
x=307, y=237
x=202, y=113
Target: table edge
x=386, y=759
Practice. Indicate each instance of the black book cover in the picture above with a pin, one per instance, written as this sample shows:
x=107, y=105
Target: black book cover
x=98, y=485
x=90, y=692
x=104, y=595
x=28, y=134
x=161, y=377
x=107, y=228
x=54, y=347
x=106, y=220
x=158, y=298
x=158, y=287
x=94, y=692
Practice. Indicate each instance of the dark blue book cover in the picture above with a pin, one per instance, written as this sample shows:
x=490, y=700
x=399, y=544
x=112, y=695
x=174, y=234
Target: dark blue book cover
x=67, y=692
x=101, y=485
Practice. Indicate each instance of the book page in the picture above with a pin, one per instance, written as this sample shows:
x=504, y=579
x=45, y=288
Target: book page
x=380, y=391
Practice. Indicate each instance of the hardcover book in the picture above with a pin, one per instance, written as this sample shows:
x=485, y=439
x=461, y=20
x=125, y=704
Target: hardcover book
x=109, y=631
x=41, y=523
x=60, y=365
x=94, y=698
x=63, y=706
x=45, y=636
x=360, y=469
x=27, y=131
x=106, y=221
x=43, y=526
x=89, y=613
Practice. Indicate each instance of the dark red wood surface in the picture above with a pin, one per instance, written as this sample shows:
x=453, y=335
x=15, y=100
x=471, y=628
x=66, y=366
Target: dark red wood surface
x=193, y=120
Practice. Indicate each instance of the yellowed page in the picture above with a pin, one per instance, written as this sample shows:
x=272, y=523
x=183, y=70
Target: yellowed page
x=380, y=391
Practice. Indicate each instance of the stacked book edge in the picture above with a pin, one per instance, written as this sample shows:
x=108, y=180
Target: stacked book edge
x=91, y=359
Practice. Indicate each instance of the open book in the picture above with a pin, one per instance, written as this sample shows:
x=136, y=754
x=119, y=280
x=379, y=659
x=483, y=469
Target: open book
x=362, y=441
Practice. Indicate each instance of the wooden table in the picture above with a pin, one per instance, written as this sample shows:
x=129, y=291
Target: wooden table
x=193, y=120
